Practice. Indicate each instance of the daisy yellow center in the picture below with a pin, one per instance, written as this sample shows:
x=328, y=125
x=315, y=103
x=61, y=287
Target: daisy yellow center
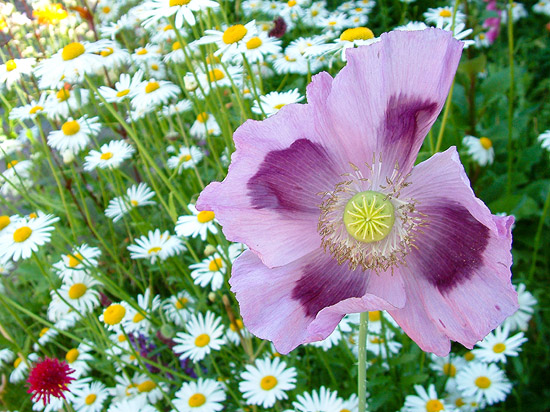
x=483, y=382
x=376, y=340
x=123, y=93
x=106, y=156
x=332, y=23
x=43, y=331
x=90, y=399
x=481, y=36
x=4, y=221
x=445, y=13
x=202, y=340
x=499, y=347
x=155, y=66
x=358, y=33
x=253, y=43
x=459, y=402
x=234, y=33
x=72, y=355
x=181, y=303
x=268, y=382
x=142, y=52
x=17, y=362
x=279, y=106
x=138, y=317
x=237, y=325
x=107, y=52
x=146, y=386
x=10, y=65
x=196, y=400
x=134, y=203
x=215, y=265
x=154, y=249
x=72, y=51
x=22, y=234
x=121, y=338
x=185, y=158
x=289, y=59
x=203, y=117
x=469, y=356
x=179, y=2
x=36, y=109
x=374, y=316
x=291, y=3
x=12, y=163
x=74, y=260
x=449, y=369
x=369, y=216
x=106, y=9
x=434, y=405
x=70, y=128
x=176, y=45
x=151, y=87
x=205, y=216
x=33, y=215
x=63, y=95
x=215, y=75
x=345, y=410
x=486, y=143
x=168, y=27
x=77, y=290
x=114, y=314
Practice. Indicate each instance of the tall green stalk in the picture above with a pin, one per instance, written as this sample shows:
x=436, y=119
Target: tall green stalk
x=362, y=363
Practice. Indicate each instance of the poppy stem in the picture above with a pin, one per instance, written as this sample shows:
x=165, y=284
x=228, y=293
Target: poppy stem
x=362, y=363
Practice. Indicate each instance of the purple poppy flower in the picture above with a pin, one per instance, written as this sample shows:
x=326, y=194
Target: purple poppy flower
x=339, y=221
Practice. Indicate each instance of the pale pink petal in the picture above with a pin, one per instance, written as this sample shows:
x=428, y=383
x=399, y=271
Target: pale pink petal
x=458, y=275
x=388, y=96
x=305, y=300
x=269, y=199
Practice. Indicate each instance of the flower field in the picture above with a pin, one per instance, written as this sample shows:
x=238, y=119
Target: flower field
x=259, y=205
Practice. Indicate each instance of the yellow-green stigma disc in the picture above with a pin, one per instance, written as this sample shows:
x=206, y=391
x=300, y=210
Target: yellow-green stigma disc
x=369, y=216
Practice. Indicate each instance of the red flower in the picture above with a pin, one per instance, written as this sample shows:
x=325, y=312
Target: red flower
x=49, y=377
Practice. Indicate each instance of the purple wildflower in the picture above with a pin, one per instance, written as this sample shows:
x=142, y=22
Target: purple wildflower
x=279, y=28
x=339, y=221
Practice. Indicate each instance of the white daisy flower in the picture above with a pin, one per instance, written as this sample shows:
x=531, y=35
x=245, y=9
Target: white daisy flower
x=257, y=47
x=149, y=52
x=81, y=259
x=149, y=94
x=458, y=32
x=12, y=70
x=112, y=55
x=142, y=385
x=204, y=334
x=333, y=22
x=272, y=102
x=197, y=224
x=123, y=87
x=90, y=397
x=544, y=137
x=46, y=335
x=178, y=108
x=484, y=381
x=518, y=12
x=78, y=292
x=6, y=267
x=74, y=134
x=266, y=382
x=135, y=404
x=425, y=401
x=6, y=356
x=481, y=150
x=448, y=366
x=110, y=155
x=412, y=26
x=461, y=403
x=136, y=196
x=481, y=40
x=443, y=14
x=520, y=319
x=205, y=125
x=16, y=177
x=230, y=39
x=378, y=344
x=113, y=316
x=178, y=308
x=24, y=237
x=185, y=159
x=218, y=77
x=68, y=64
x=107, y=10
x=137, y=320
x=334, y=338
x=498, y=345
x=235, y=331
x=323, y=401
x=349, y=38
x=212, y=270
x=78, y=359
x=183, y=10
x=204, y=395
x=542, y=7
x=156, y=245
x=21, y=367
x=30, y=111
x=7, y=222
x=65, y=101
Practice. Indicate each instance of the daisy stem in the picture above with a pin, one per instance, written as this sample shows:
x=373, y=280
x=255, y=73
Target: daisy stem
x=362, y=363
x=537, y=237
